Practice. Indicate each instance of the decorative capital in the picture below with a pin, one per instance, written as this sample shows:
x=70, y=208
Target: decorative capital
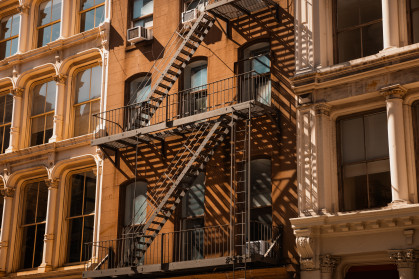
x=403, y=258
x=322, y=109
x=49, y=237
x=17, y=92
x=8, y=192
x=328, y=263
x=61, y=79
x=395, y=91
x=23, y=8
x=4, y=244
x=305, y=250
x=52, y=183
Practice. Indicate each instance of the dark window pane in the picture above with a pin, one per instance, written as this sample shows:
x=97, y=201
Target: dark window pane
x=5, y=28
x=56, y=10
x=352, y=140
x=39, y=98
x=99, y=15
x=28, y=246
x=88, y=232
x=86, y=4
x=376, y=137
x=261, y=184
x=31, y=194
x=194, y=201
x=8, y=109
x=88, y=20
x=142, y=8
x=135, y=203
x=355, y=191
x=81, y=120
x=370, y=10
x=349, y=45
x=50, y=98
x=49, y=124
x=96, y=81
x=15, y=25
x=414, y=4
x=415, y=26
x=372, y=39
x=39, y=245
x=75, y=239
x=77, y=183
x=379, y=189
x=37, y=130
x=13, y=48
x=82, y=86
x=2, y=108
x=6, y=138
x=41, y=214
x=347, y=13
x=3, y=50
x=44, y=13
x=1, y=210
x=90, y=193
x=55, y=31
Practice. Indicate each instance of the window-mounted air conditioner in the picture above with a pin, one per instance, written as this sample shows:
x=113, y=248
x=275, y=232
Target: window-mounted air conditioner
x=258, y=247
x=138, y=34
x=190, y=16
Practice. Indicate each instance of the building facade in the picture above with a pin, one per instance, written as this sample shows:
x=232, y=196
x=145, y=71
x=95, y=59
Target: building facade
x=357, y=153
x=53, y=76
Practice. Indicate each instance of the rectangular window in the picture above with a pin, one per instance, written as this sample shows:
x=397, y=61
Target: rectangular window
x=81, y=215
x=6, y=109
x=142, y=13
x=92, y=13
x=415, y=113
x=49, y=22
x=358, y=29
x=87, y=100
x=194, y=100
x=43, y=106
x=413, y=17
x=364, y=162
x=33, y=224
x=9, y=35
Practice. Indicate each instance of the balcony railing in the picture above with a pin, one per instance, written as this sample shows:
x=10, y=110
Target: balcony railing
x=240, y=88
x=181, y=246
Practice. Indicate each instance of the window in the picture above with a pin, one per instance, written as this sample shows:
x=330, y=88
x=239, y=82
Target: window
x=364, y=162
x=142, y=13
x=49, y=22
x=193, y=208
x=92, y=13
x=139, y=88
x=9, y=35
x=81, y=215
x=193, y=4
x=135, y=204
x=256, y=85
x=358, y=29
x=413, y=17
x=87, y=100
x=415, y=113
x=6, y=109
x=34, y=218
x=261, y=197
x=43, y=106
x=194, y=98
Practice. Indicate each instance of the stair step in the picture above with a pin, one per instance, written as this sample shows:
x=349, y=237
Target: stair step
x=168, y=79
x=196, y=39
x=173, y=73
x=191, y=46
x=164, y=86
x=178, y=66
x=185, y=52
x=159, y=92
x=183, y=60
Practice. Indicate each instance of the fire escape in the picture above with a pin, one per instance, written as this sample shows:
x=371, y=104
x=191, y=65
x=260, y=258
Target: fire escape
x=228, y=115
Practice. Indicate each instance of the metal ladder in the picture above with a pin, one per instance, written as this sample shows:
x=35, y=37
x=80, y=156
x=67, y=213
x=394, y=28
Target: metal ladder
x=240, y=152
x=199, y=147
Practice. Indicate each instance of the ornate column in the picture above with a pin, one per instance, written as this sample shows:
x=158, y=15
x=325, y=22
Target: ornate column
x=405, y=261
x=49, y=237
x=8, y=194
x=57, y=134
x=390, y=23
x=328, y=265
x=15, y=125
x=396, y=142
x=65, y=19
x=322, y=168
x=305, y=249
x=23, y=28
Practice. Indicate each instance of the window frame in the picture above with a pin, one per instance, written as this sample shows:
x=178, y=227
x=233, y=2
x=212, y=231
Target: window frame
x=409, y=12
x=82, y=216
x=336, y=32
x=81, y=12
x=134, y=20
x=44, y=114
x=90, y=101
x=3, y=126
x=190, y=96
x=39, y=27
x=12, y=37
x=415, y=120
x=340, y=164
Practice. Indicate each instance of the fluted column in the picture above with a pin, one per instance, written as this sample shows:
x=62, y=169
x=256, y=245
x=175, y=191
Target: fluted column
x=8, y=194
x=328, y=265
x=396, y=142
x=49, y=237
x=405, y=261
x=390, y=23
x=15, y=125
x=57, y=134
x=23, y=28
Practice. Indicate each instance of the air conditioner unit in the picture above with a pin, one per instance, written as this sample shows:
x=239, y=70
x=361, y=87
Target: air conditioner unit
x=138, y=34
x=258, y=247
x=190, y=16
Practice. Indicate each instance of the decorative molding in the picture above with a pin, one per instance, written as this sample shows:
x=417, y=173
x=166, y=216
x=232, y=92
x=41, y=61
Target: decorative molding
x=395, y=91
x=403, y=258
x=322, y=109
x=17, y=92
x=60, y=79
x=8, y=192
x=52, y=183
x=49, y=237
x=4, y=244
x=408, y=234
x=328, y=263
x=305, y=250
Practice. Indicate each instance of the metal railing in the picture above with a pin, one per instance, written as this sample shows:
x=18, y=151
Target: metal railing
x=180, y=246
x=208, y=97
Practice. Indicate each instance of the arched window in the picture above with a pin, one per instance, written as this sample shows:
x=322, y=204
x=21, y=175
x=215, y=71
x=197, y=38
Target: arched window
x=257, y=85
x=138, y=89
x=92, y=13
x=87, y=99
x=194, y=97
x=49, y=21
x=6, y=110
x=9, y=35
x=135, y=204
x=81, y=214
x=42, y=113
x=35, y=202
